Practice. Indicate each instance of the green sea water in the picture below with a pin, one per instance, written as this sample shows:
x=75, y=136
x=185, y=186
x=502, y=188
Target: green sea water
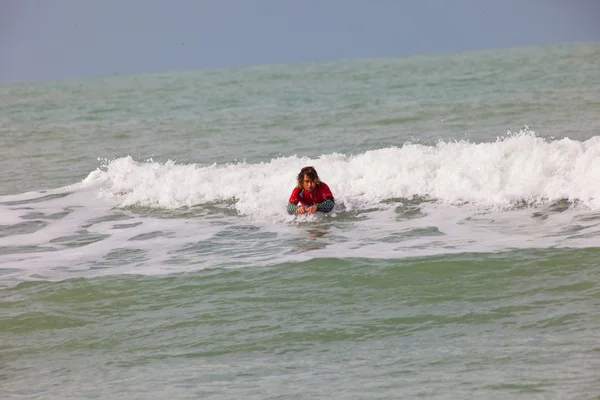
x=145, y=251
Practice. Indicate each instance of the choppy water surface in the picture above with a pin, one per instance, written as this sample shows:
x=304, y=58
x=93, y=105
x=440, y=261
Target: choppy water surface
x=145, y=250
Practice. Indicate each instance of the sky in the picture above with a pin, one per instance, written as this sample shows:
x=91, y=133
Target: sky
x=49, y=39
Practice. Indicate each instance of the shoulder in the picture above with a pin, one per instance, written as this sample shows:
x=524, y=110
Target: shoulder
x=296, y=191
x=324, y=190
x=324, y=186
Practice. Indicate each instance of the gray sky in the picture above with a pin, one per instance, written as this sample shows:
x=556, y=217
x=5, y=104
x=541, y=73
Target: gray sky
x=42, y=39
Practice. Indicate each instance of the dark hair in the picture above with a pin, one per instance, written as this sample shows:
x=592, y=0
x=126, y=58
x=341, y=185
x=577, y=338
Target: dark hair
x=311, y=173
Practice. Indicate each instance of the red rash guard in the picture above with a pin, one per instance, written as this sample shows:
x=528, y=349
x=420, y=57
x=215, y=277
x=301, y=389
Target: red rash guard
x=320, y=194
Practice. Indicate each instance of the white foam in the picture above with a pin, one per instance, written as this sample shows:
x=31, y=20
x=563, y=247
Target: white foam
x=498, y=175
x=476, y=187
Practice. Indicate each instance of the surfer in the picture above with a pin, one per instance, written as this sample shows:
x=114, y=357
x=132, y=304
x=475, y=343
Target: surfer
x=312, y=194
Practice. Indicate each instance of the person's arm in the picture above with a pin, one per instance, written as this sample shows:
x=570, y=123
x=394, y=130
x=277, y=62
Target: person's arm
x=326, y=205
x=291, y=208
x=294, y=200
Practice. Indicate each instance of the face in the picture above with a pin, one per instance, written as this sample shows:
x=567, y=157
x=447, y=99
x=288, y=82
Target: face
x=308, y=184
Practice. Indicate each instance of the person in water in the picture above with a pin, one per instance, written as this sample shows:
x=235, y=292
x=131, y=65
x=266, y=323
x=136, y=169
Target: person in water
x=312, y=194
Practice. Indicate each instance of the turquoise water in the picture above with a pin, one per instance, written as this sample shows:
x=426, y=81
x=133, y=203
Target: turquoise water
x=145, y=250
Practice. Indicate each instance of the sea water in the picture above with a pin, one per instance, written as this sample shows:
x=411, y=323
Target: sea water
x=146, y=251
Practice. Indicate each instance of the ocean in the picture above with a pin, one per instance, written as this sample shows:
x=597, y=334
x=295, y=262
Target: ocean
x=146, y=251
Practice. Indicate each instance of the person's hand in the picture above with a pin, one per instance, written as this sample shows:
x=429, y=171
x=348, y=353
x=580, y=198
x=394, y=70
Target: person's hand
x=312, y=209
x=300, y=210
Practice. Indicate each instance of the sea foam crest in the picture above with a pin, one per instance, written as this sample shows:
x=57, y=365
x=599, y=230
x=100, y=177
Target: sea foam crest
x=518, y=168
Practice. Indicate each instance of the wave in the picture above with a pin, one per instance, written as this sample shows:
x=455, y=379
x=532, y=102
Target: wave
x=518, y=169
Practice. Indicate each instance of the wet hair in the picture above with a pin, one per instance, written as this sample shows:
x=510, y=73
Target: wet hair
x=311, y=173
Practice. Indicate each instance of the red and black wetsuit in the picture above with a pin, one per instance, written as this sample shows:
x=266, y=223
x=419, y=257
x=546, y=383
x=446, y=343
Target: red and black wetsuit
x=321, y=196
